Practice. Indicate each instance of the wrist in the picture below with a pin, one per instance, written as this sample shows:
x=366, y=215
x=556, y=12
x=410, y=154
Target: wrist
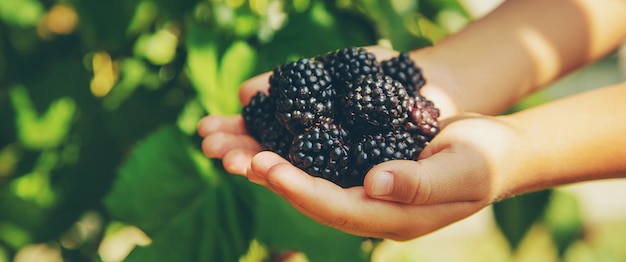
x=521, y=171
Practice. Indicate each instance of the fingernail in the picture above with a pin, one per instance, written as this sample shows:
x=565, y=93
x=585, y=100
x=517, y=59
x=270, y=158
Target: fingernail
x=383, y=184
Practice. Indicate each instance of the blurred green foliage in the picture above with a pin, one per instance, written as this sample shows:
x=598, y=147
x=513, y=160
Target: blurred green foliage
x=99, y=102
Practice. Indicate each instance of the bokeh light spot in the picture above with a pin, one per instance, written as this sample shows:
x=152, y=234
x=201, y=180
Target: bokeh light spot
x=60, y=20
x=105, y=74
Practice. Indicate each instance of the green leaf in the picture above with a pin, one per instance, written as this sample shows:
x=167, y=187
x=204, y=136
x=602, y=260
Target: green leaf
x=283, y=228
x=175, y=9
x=157, y=47
x=217, y=76
x=99, y=29
x=19, y=218
x=134, y=72
x=236, y=66
x=202, y=66
x=29, y=123
x=22, y=13
x=190, y=209
x=564, y=220
x=394, y=23
x=338, y=28
x=515, y=216
x=431, y=8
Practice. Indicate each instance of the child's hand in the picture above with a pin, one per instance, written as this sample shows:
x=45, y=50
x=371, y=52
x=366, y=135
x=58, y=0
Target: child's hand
x=458, y=174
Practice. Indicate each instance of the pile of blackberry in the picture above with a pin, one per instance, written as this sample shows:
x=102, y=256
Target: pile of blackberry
x=337, y=115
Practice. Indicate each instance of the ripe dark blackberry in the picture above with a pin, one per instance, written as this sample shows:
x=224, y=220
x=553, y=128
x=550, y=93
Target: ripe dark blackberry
x=259, y=119
x=257, y=114
x=276, y=138
x=404, y=70
x=276, y=86
x=377, y=101
x=322, y=151
x=423, y=117
x=350, y=64
x=373, y=149
x=303, y=94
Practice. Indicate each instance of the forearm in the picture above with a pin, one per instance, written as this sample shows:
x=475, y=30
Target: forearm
x=578, y=138
x=519, y=47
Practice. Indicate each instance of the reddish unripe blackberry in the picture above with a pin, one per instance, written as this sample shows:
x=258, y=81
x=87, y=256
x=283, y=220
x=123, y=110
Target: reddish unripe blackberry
x=423, y=117
x=377, y=101
x=350, y=64
x=404, y=70
x=322, y=151
x=373, y=149
x=303, y=94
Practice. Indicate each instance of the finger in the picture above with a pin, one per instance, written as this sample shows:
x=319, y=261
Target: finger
x=218, y=144
x=351, y=210
x=253, y=85
x=444, y=177
x=228, y=124
x=260, y=163
x=236, y=161
x=381, y=53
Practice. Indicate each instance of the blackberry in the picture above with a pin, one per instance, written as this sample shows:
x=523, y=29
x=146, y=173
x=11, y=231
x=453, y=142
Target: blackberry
x=276, y=87
x=423, y=117
x=377, y=101
x=404, y=70
x=303, y=94
x=277, y=139
x=349, y=65
x=261, y=123
x=322, y=151
x=257, y=114
x=373, y=149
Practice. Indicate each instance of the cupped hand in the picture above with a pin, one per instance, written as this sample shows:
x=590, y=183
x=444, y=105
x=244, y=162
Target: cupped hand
x=463, y=170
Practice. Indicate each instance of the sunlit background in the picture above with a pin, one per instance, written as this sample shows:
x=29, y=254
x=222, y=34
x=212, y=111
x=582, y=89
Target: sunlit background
x=99, y=102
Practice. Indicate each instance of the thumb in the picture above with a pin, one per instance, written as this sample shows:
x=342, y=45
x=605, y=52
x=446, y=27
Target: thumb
x=253, y=85
x=441, y=178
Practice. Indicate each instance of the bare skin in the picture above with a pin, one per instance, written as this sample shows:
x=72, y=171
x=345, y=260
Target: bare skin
x=477, y=158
